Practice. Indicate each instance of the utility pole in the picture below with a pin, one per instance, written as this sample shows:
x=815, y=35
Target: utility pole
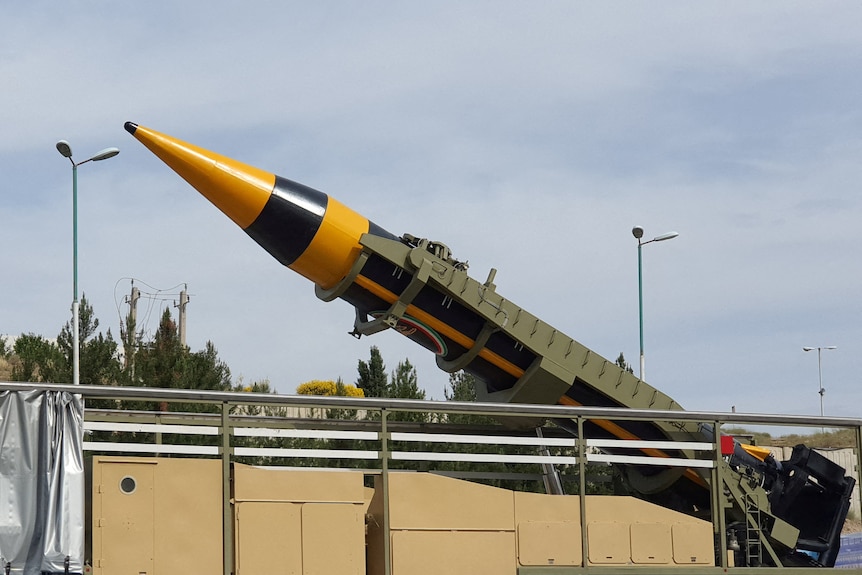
x=131, y=328
x=184, y=300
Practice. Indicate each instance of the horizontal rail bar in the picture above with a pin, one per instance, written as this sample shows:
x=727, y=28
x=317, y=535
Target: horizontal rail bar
x=483, y=439
x=304, y=433
x=480, y=457
x=151, y=428
x=647, y=460
x=150, y=448
x=637, y=444
x=305, y=453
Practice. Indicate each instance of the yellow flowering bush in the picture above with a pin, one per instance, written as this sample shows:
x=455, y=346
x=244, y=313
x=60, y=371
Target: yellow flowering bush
x=329, y=387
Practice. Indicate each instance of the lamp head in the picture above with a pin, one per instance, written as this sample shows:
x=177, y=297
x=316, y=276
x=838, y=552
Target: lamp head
x=64, y=148
x=104, y=154
x=637, y=231
x=667, y=236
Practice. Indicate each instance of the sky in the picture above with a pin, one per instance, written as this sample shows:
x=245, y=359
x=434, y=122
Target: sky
x=529, y=137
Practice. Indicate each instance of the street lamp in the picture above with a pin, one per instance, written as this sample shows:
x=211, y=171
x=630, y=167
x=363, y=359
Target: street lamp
x=638, y=233
x=66, y=151
x=821, y=391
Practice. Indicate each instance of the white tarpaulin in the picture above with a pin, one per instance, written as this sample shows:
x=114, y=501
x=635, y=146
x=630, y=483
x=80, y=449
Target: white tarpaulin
x=41, y=482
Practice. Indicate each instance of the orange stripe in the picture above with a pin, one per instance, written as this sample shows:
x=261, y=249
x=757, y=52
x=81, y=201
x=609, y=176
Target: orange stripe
x=440, y=327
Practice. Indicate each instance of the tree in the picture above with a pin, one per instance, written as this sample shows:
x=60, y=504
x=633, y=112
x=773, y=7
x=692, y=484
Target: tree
x=332, y=388
x=372, y=375
x=329, y=388
x=5, y=354
x=131, y=341
x=159, y=363
x=204, y=370
x=98, y=361
x=404, y=384
x=621, y=361
x=166, y=362
x=462, y=387
x=36, y=359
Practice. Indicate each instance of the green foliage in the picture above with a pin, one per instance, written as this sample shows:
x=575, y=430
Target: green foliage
x=621, y=361
x=36, y=359
x=404, y=384
x=166, y=362
x=372, y=375
x=462, y=387
x=204, y=370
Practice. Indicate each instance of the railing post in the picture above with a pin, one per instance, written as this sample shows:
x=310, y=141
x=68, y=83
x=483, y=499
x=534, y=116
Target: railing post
x=582, y=489
x=227, y=515
x=716, y=492
x=384, y=475
x=858, y=430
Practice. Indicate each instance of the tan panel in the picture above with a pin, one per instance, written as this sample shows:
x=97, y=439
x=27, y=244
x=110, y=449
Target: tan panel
x=333, y=539
x=262, y=484
x=549, y=543
x=188, y=516
x=124, y=528
x=541, y=507
x=606, y=508
x=651, y=543
x=425, y=501
x=268, y=539
x=692, y=544
x=609, y=543
x=453, y=553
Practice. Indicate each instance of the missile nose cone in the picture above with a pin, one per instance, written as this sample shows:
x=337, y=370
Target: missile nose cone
x=239, y=190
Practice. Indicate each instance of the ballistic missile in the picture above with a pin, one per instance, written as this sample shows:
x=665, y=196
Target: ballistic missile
x=415, y=286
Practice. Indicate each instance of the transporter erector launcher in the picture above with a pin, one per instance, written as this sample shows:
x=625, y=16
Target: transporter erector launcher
x=412, y=285
x=416, y=287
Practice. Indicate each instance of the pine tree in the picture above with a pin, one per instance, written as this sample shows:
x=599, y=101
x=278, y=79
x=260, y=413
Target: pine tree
x=97, y=353
x=621, y=361
x=404, y=384
x=372, y=375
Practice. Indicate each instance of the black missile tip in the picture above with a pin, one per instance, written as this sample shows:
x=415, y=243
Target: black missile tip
x=131, y=127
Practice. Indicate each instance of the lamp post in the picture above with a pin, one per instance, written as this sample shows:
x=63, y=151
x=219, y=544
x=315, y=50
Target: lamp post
x=638, y=233
x=820, y=391
x=66, y=151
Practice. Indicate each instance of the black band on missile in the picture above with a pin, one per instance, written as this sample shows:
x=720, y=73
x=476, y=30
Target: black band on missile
x=287, y=223
x=376, y=230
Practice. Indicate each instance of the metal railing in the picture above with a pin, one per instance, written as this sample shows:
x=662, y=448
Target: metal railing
x=242, y=426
